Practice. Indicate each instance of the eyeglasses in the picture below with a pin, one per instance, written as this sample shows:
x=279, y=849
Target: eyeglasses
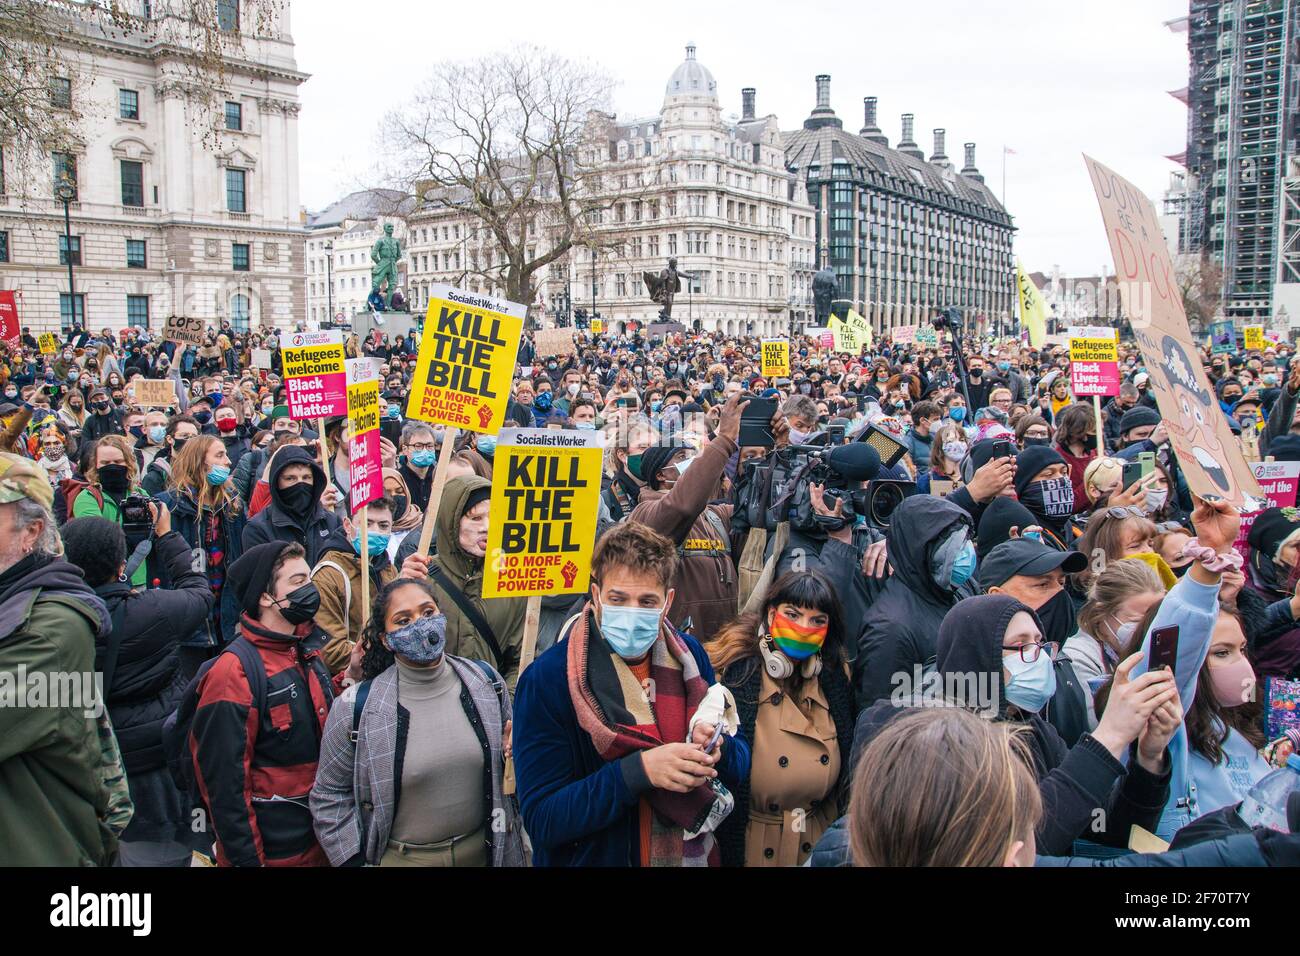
x=1129, y=512
x=422, y=446
x=1165, y=527
x=1030, y=652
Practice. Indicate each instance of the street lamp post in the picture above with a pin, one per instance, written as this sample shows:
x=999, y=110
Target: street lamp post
x=329, y=277
x=65, y=192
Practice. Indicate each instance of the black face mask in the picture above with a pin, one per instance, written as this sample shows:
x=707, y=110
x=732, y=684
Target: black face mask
x=1031, y=442
x=112, y=478
x=101, y=408
x=400, y=504
x=300, y=605
x=1058, y=617
x=297, y=499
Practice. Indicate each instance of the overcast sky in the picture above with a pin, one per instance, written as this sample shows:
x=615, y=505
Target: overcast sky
x=1050, y=79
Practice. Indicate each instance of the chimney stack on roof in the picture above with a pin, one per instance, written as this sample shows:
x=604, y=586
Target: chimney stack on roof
x=870, y=130
x=906, y=144
x=969, y=169
x=747, y=103
x=939, y=158
x=823, y=91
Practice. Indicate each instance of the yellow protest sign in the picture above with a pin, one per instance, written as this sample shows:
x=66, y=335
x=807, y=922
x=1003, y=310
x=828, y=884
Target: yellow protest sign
x=466, y=361
x=866, y=333
x=49, y=343
x=776, y=357
x=845, y=337
x=542, y=514
x=597, y=326
x=1033, y=308
x=1254, y=338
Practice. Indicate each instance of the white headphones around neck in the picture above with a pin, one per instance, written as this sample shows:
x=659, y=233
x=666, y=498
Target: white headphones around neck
x=779, y=666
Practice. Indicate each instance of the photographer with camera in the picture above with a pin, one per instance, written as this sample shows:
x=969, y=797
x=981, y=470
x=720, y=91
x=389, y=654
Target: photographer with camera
x=829, y=530
x=111, y=491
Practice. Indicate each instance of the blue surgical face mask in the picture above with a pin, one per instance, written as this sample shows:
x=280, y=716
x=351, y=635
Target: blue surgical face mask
x=656, y=405
x=957, y=414
x=218, y=475
x=964, y=566
x=585, y=426
x=1004, y=365
x=423, y=458
x=1031, y=685
x=422, y=641
x=394, y=411
x=158, y=434
x=376, y=542
x=629, y=631
x=486, y=445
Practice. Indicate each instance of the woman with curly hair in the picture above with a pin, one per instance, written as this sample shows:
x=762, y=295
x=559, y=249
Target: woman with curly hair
x=413, y=755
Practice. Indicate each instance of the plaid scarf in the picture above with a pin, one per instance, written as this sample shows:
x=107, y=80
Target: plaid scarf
x=615, y=710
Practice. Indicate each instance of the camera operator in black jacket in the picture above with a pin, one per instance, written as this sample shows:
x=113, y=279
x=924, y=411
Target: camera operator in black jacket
x=143, y=677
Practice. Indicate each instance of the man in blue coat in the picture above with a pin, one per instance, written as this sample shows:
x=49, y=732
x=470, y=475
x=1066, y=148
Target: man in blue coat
x=611, y=768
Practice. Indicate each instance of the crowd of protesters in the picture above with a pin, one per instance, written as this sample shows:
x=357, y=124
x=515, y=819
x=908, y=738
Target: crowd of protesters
x=964, y=678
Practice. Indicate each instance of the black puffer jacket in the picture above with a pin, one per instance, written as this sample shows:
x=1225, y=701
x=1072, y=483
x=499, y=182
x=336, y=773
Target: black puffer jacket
x=315, y=531
x=900, y=627
x=147, y=680
x=1073, y=781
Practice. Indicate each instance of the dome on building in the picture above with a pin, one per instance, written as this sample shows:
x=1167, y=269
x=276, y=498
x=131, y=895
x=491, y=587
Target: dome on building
x=691, y=82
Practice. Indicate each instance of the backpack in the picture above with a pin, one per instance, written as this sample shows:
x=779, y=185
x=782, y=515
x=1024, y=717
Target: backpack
x=179, y=724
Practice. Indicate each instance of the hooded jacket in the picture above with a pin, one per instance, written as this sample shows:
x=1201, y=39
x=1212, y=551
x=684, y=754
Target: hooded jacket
x=706, y=583
x=338, y=579
x=1073, y=782
x=504, y=615
x=52, y=795
x=899, y=629
x=313, y=531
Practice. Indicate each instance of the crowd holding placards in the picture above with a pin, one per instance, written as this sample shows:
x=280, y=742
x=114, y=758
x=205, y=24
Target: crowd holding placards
x=907, y=614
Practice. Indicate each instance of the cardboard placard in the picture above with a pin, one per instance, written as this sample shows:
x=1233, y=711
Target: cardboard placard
x=154, y=392
x=49, y=343
x=365, y=467
x=1279, y=481
x=542, y=517
x=553, y=343
x=184, y=329
x=1094, y=361
x=1198, y=431
x=467, y=360
x=904, y=334
x=262, y=358
x=315, y=380
x=776, y=357
x=1254, y=335
x=597, y=326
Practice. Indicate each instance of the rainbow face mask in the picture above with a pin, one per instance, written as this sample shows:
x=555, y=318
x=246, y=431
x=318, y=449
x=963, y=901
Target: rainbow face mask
x=796, y=641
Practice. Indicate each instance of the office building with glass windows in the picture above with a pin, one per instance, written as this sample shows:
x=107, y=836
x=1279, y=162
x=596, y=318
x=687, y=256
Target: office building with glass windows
x=906, y=236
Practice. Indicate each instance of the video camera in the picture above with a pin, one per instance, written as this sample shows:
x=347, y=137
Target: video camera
x=777, y=488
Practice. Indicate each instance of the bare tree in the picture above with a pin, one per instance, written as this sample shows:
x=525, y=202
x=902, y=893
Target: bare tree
x=1200, y=282
x=44, y=42
x=518, y=142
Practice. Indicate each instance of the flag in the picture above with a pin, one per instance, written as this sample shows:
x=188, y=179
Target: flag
x=1033, y=310
x=1008, y=149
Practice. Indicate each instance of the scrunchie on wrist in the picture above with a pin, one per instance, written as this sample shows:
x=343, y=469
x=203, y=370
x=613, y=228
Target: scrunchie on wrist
x=1211, y=560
